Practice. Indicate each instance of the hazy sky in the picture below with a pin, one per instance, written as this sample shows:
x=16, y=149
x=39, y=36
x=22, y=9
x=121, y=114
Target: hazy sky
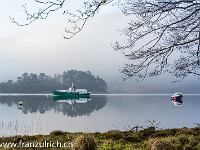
x=40, y=47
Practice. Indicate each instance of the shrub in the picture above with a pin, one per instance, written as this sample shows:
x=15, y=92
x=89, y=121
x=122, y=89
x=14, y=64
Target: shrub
x=84, y=142
x=114, y=134
x=197, y=147
x=133, y=137
x=193, y=141
x=108, y=144
x=196, y=131
x=18, y=139
x=147, y=132
x=57, y=133
x=178, y=147
x=166, y=132
x=183, y=139
x=187, y=147
x=161, y=144
x=97, y=134
x=186, y=130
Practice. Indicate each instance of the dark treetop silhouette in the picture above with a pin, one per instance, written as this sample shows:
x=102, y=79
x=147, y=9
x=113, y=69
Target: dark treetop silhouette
x=42, y=83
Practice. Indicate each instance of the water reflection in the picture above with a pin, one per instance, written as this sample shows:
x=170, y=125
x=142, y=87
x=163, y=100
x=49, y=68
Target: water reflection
x=42, y=115
x=74, y=106
x=72, y=97
x=70, y=106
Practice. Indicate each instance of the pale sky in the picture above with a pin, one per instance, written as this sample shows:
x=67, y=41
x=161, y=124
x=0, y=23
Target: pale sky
x=40, y=47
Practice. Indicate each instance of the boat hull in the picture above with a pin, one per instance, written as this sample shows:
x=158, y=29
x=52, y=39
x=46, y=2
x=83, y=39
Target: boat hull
x=70, y=93
x=70, y=97
x=177, y=99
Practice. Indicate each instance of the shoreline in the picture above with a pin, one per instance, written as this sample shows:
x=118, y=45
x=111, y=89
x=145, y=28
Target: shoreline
x=99, y=94
x=135, y=138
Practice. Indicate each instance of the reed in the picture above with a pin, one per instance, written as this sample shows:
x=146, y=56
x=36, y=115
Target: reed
x=17, y=127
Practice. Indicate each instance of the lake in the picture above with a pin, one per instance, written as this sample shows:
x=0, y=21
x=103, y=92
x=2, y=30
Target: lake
x=42, y=114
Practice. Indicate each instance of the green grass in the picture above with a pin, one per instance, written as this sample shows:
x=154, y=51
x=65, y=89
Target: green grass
x=146, y=139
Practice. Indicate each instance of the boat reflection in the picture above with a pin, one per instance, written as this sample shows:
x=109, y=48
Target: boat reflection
x=75, y=105
x=69, y=106
x=72, y=99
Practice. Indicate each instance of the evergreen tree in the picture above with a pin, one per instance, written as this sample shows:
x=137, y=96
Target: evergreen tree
x=33, y=83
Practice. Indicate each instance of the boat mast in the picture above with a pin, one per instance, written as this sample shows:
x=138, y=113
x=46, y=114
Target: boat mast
x=73, y=89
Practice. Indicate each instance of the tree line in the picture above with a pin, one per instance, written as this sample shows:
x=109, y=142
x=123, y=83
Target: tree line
x=42, y=83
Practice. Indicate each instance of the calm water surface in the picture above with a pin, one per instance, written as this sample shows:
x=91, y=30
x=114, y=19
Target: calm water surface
x=41, y=114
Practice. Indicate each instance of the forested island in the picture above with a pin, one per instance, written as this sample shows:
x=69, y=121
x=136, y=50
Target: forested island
x=42, y=83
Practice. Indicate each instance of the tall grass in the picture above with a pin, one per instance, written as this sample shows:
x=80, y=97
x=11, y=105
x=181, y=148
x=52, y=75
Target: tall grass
x=14, y=128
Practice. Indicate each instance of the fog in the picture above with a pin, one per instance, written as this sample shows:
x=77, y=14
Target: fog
x=40, y=47
x=43, y=49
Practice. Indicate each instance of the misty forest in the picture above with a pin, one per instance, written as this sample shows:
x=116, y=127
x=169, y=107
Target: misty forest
x=42, y=83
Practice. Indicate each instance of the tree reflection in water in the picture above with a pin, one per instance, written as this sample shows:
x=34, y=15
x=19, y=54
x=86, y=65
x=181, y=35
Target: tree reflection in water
x=70, y=107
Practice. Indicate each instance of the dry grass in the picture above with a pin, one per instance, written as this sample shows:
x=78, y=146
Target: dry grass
x=147, y=139
x=84, y=142
x=161, y=143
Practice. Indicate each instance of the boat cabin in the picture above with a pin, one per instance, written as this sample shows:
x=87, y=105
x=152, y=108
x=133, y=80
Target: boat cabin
x=81, y=90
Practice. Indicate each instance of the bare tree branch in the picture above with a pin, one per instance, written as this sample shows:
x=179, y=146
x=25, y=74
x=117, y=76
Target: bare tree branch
x=77, y=21
x=169, y=31
x=165, y=28
x=50, y=6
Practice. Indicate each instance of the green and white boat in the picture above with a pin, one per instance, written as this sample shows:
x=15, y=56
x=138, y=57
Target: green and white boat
x=72, y=91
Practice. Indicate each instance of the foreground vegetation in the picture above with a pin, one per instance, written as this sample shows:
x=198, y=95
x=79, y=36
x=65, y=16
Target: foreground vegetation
x=146, y=139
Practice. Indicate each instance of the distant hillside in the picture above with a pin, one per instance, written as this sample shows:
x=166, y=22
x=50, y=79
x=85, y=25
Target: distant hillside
x=42, y=83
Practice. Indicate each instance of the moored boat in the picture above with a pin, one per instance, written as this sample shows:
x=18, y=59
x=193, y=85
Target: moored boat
x=177, y=98
x=72, y=91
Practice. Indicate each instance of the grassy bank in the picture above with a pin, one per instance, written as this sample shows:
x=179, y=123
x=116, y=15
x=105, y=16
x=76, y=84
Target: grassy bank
x=146, y=139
